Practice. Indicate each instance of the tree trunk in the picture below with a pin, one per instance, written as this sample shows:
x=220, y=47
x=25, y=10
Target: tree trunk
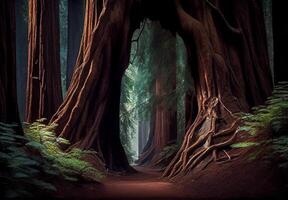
x=268, y=18
x=8, y=89
x=164, y=130
x=75, y=29
x=143, y=132
x=89, y=115
x=231, y=74
x=21, y=53
x=44, y=93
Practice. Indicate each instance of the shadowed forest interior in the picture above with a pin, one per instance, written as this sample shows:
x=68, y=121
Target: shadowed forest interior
x=143, y=99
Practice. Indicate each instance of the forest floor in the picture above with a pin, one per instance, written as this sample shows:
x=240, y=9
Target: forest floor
x=143, y=184
x=234, y=180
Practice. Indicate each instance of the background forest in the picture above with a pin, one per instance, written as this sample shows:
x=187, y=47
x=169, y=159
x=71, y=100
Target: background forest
x=83, y=104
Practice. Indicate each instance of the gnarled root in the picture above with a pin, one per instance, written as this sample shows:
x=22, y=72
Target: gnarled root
x=206, y=137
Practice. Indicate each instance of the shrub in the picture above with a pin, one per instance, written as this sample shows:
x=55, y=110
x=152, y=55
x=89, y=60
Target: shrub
x=70, y=163
x=271, y=116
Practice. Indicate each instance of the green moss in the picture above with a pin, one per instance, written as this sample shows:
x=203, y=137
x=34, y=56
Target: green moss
x=244, y=144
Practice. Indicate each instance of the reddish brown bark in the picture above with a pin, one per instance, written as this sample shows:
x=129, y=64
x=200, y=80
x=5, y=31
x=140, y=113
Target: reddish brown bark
x=231, y=74
x=164, y=129
x=44, y=93
x=8, y=90
x=89, y=115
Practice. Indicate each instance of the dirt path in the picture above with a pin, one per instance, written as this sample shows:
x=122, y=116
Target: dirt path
x=144, y=184
x=235, y=180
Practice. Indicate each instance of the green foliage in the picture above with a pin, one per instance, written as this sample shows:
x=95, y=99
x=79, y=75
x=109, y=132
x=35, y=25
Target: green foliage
x=23, y=174
x=244, y=144
x=70, y=164
x=280, y=146
x=274, y=114
x=271, y=116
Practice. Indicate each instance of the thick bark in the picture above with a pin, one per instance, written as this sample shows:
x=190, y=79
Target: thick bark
x=231, y=75
x=44, y=93
x=75, y=29
x=8, y=89
x=21, y=53
x=89, y=115
x=280, y=33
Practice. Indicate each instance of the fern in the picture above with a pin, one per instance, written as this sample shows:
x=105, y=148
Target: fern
x=70, y=164
x=271, y=116
x=20, y=170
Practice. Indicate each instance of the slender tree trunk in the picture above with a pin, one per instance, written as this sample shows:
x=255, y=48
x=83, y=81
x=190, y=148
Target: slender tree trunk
x=44, y=93
x=89, y=115
x=268, y=18
x=21, y=53
x=143, y=132
x=231, y=75
x=8, y=89
x=75, y=29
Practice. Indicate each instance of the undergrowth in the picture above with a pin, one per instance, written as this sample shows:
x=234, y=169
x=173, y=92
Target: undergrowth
x=22, y=174
x=31, y=164
x=271, y=117
x=70, y=163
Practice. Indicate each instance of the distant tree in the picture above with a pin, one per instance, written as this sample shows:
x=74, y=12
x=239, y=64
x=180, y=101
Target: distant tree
x=63, y=29
x=163, y=130
x=21, y=53
x=268, y=18
x=75, y=28
x=44, y=93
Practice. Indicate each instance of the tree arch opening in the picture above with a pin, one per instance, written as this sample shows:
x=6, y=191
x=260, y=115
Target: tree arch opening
x=154, y=87
x=223, y=41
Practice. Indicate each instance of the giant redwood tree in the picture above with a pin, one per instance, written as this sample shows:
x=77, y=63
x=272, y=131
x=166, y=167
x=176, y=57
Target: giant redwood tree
x=8, y=90
x=44, y=94
x=226, y=45
x=89, y=115
x=231, y=74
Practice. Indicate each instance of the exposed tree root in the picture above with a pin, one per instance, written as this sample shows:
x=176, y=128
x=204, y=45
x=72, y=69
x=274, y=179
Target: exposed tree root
x=219, y=92
x=199, y=142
